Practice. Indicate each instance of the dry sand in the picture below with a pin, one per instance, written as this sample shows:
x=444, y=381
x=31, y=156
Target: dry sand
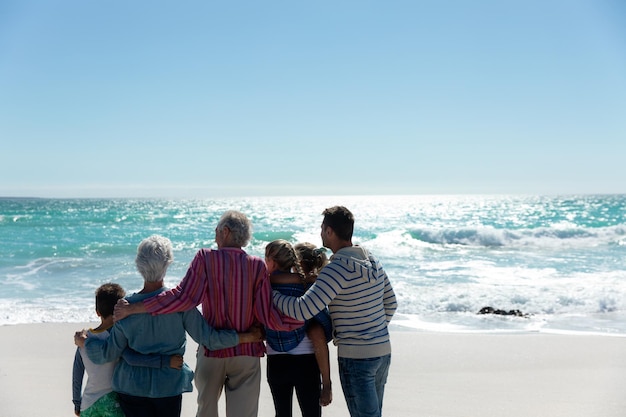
x=432, y=375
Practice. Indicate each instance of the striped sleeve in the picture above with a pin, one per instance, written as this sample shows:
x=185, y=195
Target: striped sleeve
x=389, y=296
x=317, y=297
x=186, y=295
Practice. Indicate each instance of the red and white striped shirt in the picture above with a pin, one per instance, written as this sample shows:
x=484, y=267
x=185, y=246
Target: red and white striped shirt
x=234, y=290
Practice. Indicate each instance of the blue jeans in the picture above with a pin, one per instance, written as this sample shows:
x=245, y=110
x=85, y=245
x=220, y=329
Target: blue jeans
x=363, y=383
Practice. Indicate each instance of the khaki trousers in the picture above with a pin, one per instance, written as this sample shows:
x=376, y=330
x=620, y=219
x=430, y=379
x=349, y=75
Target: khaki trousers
x=239, y=377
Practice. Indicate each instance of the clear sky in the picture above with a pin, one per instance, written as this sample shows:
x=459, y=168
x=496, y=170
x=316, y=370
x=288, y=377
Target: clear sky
x=137, y=98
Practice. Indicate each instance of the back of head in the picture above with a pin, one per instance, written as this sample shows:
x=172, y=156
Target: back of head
x=341, y=220
x=311, y=257
x=154, y=256
x=283, y=254
x=239, y=225
x=107, y=296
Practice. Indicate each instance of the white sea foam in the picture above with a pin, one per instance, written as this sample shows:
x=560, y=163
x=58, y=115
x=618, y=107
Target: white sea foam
x=560, y=260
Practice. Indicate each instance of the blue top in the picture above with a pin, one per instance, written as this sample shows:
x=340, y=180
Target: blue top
x=129, y=355
x=285, y=341
x=163, y=334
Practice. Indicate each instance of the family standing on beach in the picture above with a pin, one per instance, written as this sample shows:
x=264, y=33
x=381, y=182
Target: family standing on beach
x=300, y=297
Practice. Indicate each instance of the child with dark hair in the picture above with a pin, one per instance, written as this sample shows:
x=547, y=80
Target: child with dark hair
x=155, y=389
x=98, y=398
x=357, y=292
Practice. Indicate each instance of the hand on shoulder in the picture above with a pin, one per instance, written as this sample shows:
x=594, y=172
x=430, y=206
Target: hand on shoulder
x=121, y=309
x=80, y=337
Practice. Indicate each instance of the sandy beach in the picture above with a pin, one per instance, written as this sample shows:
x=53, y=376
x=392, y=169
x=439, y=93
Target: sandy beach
x=432, y=374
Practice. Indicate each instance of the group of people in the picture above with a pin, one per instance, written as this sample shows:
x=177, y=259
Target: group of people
x=296, y=299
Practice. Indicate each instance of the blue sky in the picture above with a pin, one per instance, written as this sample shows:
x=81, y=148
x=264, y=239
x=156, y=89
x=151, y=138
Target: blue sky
x=216, y=98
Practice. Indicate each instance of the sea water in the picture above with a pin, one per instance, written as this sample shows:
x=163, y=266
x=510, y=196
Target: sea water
x=560, y=260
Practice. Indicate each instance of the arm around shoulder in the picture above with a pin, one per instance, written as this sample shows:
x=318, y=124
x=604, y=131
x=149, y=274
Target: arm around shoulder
x=124, y=309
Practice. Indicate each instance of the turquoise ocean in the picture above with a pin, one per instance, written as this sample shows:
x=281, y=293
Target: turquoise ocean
x=559, y=259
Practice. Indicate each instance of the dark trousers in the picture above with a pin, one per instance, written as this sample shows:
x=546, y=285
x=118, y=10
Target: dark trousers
x=150, y=407
x=300, y=372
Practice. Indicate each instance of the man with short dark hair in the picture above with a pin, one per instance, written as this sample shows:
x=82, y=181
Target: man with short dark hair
x=362, y=302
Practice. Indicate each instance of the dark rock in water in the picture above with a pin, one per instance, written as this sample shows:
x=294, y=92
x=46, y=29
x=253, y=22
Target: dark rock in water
x=491, y=310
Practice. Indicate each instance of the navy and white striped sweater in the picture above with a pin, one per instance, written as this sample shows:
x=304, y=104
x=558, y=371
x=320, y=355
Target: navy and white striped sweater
x=360, y=299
